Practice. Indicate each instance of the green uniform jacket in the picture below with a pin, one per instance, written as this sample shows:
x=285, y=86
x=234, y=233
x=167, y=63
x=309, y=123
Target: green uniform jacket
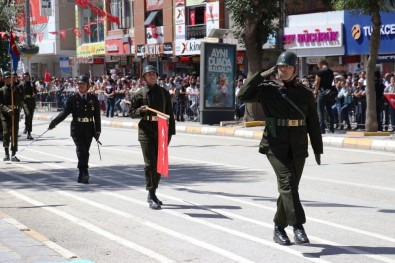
x=156, y=98
x=289, y=141
x=5, y=99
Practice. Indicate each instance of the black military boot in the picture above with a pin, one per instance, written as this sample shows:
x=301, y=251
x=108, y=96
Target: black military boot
x=300, y=235
x=14, y=158
x=154, y=202
x=7, y=155
x=280, y=236
x=29, y=136
x=83, y=177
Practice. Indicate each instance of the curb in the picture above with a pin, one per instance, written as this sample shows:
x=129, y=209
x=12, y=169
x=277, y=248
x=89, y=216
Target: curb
x=352, y=141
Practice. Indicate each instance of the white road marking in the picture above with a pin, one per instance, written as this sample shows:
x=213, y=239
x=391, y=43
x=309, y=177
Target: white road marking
x=78, y=221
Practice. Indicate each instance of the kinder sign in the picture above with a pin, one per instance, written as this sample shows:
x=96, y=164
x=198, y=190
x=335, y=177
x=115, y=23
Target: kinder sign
x=313, y=36
x=191, y=47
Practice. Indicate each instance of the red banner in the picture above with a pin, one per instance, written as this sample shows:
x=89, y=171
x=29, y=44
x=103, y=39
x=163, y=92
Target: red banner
x=163, y=155
x=391, y=98
x=47, y=76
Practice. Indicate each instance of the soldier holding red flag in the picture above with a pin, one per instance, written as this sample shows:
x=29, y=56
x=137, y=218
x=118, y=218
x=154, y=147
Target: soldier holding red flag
x=157, y=98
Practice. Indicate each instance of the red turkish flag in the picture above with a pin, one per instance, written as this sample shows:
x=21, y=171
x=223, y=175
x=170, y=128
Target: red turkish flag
x=163, y=155
x=40, y=37
x=87, y=29
x=391, y=98
x=77, y=32
x=62, y=34
x=47, y=76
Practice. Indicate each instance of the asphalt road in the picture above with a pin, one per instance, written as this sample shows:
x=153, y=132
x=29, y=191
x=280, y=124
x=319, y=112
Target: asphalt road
x=219, y=201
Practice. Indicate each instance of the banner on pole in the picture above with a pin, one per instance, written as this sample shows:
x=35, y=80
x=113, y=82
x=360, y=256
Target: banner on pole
x=163, y=156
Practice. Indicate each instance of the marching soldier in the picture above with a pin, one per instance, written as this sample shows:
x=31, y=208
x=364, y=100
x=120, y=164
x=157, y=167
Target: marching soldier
x=29, y=103
x=85, y=126
x=11, y=98
x=291, y=115
x=158, y=98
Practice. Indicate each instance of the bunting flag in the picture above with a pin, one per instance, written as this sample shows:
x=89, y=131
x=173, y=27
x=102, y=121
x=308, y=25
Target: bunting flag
x=47, y=76
x=14, y=52
x=87, y=29
x=54, y=32
x=77, y=32
x=391, y=98
x=163, y=155
x=62, y=34
x=40, y=37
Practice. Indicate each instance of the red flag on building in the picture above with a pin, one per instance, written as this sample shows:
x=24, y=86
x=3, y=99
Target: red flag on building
x=77, y=32
x=391, y=98
x=62, y=34
x=47, y=76
x=87, y=29
x=40, y=37
x=163, y=155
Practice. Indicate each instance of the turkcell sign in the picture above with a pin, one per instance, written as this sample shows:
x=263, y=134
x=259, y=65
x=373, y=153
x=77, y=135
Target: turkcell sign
x=188, y=47
x=358, y=30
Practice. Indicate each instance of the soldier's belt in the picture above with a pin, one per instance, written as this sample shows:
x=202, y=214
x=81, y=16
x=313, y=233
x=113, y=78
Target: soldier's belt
x=29, y=96
x=150, y=118
x=15, y=107
x=83, y=119
x=290, y=123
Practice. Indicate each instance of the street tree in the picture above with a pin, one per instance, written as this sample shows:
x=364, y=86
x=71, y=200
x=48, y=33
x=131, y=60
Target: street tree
x=372, y=8
x=254, y=21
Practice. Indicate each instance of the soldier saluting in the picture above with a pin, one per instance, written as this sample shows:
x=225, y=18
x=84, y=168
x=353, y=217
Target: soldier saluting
x=29, y=103
x=291, y=115
x=11, y=99
x=85, y=126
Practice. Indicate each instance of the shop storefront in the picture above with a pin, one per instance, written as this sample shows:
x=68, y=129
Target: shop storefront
x=357, y=38
x=159, y=55
x=118, y=54
x=90, y=57
x=312, y=39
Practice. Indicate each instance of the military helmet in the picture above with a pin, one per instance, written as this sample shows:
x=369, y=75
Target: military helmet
x=83, y=79
x=149, y=68
x=287, y=58
x=6, y=74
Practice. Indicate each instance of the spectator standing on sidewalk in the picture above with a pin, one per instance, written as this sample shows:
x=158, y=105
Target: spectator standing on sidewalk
x=158, y=98
x=85, y=126
x=291, y=116
x=110, y=94
x=322, y=86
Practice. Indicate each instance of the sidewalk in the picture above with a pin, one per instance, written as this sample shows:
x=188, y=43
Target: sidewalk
x=378, y=141
x=19, y=244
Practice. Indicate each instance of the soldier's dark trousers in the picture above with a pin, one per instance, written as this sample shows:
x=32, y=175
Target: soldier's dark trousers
x=29, y=111
x=83, y=144
x=7, y=131
x=150, y=153
x=289, y=208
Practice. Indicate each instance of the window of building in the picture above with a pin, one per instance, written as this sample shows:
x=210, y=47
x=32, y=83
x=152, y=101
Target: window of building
x=154, y=18
x=123, y=10
x=196, y=15
x=93, y=24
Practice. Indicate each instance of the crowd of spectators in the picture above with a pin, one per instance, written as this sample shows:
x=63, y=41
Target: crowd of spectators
x=349, y=107
x=115, y=91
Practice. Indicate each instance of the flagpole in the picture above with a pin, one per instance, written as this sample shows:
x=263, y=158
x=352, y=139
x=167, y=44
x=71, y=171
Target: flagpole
x=12, y=94
x=158, y=112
